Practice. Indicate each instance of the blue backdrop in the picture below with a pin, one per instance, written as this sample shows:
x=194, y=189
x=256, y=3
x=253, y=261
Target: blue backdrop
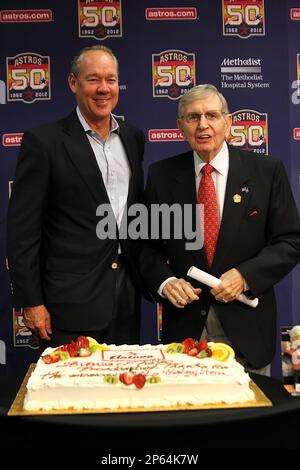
x=249, y=49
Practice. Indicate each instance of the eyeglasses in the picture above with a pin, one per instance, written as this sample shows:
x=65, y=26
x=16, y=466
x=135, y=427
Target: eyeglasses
x=211, y=116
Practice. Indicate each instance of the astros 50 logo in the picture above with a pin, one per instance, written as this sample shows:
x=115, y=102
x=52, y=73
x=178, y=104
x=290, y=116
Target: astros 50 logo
x=22, y=335
x=173, y=73
x=99, y=20
x=28, y=77
x=243, y=18
x=249, y=131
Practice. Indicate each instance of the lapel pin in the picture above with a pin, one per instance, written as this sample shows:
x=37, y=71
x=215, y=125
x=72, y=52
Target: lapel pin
x=255, y=212
x=237, y=198
x=245, y=189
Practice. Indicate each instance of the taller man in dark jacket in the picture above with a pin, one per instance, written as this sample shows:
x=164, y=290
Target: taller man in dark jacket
x=70, y=279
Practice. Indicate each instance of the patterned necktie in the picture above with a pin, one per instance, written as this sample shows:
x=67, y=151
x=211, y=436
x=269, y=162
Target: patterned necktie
x=207, y=197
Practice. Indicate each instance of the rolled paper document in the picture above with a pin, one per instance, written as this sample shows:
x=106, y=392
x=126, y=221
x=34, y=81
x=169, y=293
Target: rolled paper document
x=213, y=281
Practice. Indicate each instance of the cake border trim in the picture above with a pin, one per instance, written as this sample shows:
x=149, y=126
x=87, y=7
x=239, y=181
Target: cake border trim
x=16, y=409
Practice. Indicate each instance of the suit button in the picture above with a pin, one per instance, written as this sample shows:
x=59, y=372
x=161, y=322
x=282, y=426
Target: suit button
x=203, y=313
x=114, y=265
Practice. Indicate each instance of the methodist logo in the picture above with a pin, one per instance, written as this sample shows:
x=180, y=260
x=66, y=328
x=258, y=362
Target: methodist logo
x=243, y=18
x=99, y=20
x=173, y=73
x=249, y=131
x=28, y=77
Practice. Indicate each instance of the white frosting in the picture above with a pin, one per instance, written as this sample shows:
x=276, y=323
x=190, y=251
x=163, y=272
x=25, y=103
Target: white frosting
x=79, y=382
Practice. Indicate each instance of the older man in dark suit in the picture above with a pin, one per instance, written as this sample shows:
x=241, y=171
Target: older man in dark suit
x=70, y=279
x=250, y=229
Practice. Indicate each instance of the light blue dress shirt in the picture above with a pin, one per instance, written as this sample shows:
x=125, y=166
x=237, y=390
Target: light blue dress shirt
x=113, y=163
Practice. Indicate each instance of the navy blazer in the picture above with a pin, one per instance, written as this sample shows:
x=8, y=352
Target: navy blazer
x=55, y=256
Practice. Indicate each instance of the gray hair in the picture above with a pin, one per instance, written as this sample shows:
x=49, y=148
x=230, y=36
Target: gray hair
x=75, y=65
x=200, y=92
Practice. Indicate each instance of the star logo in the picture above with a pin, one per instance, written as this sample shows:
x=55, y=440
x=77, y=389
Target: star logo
x=174, y=90
x=244, y=31
x=28, y=94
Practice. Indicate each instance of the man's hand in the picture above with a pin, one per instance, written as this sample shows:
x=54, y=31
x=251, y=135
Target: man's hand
x=38, y=320
x=231, y=287
x=180, y=292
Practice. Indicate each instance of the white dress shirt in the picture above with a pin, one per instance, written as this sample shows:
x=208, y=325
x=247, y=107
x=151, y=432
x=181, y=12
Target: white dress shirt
x=221, y=166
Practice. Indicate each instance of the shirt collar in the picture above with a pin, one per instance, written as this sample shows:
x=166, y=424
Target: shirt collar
x=114, y=125
x=220, y=162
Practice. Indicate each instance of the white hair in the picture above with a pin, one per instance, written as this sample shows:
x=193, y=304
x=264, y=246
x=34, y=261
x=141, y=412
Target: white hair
x=201, y=92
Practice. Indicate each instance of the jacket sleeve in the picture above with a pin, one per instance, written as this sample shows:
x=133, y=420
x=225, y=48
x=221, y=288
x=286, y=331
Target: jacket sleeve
x=153, y=259
x=24, y=221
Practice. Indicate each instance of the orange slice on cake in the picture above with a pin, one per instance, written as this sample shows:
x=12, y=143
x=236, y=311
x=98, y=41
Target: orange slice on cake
x=221, y=351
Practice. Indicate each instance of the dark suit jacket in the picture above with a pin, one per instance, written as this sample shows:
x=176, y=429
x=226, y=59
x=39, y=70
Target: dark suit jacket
x=260, y=236
x=55, y=257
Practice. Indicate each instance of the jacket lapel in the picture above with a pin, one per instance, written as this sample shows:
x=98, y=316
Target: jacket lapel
x=82, y=155
x=184, y=192
x=133, y=158
x=235, y=204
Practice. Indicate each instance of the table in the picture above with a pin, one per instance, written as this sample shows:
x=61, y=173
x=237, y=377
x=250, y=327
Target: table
x=275, y=427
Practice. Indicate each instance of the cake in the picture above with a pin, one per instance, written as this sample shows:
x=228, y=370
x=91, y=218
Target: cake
x=86, y=375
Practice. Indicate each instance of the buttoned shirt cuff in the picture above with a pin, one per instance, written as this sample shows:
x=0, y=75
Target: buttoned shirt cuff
x=246, y=287
x=161, y=287
x=247, y=291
